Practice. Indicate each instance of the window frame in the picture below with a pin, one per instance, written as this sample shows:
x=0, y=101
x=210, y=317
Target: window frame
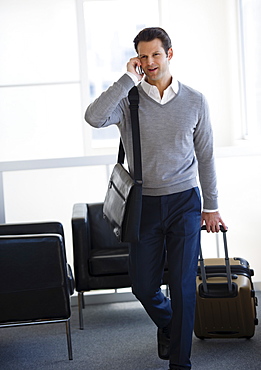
x=251, y=130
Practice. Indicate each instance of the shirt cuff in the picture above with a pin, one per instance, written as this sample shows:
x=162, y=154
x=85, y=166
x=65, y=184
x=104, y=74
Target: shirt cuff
x=209, y=210
x=133, y=77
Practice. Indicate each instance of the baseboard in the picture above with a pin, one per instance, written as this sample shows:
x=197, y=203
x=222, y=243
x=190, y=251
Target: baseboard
x=257, y=286
x=119, y=297
x=104, y=298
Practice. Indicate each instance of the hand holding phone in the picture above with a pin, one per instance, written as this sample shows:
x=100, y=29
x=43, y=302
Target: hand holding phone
x=134, y=66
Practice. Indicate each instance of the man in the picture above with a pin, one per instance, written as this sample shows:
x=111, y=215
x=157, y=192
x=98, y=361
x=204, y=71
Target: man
x=176, y=144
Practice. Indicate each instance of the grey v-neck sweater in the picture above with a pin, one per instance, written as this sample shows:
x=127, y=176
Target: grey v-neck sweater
x=176, y=138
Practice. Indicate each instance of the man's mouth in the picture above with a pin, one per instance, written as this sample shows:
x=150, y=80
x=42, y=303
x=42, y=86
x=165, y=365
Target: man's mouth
x=152, y=69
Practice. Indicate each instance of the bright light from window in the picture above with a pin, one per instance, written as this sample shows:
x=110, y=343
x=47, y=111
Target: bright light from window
x=251, y=15
x=110, y=29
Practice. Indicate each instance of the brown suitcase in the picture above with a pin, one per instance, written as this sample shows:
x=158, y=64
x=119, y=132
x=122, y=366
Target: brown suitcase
x=226, y=302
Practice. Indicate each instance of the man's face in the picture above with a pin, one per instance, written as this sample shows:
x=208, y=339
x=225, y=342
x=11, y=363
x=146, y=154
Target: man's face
x=154, y=61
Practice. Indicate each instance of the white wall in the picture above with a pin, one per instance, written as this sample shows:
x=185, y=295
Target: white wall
x=50, y=195
x=239, y=179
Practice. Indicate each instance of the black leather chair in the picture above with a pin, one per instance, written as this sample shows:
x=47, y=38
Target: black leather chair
x=35, y=280
x=100, y=261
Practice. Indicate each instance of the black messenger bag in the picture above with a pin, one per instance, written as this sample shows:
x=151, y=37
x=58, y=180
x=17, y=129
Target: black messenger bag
x=123, y=200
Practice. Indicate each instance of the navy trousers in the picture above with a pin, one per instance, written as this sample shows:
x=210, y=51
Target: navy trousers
x=170, y=224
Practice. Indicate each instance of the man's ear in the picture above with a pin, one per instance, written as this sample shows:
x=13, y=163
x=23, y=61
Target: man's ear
x=170, y=54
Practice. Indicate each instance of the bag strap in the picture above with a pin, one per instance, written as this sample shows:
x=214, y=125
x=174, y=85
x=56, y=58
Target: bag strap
x=134, y=106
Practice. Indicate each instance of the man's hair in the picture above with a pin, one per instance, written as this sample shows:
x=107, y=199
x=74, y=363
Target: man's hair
x=152, y=33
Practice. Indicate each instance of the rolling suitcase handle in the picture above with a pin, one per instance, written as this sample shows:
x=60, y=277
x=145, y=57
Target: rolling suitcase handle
x=228, y=269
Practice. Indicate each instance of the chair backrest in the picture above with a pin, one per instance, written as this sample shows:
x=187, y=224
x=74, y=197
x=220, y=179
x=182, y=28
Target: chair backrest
x=32, y=228
x=33, y=278
x=100, y=230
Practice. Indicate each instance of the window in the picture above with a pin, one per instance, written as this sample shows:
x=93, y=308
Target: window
x=40, y=99
x=110, y=27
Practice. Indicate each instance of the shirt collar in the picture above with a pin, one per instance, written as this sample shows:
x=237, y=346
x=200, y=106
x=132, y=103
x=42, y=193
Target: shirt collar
x=148, y=87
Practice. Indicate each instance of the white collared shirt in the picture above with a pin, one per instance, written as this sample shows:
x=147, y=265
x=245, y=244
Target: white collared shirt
x=153, y=91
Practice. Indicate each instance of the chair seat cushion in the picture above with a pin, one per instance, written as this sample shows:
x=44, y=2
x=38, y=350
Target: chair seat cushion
x=109, y=262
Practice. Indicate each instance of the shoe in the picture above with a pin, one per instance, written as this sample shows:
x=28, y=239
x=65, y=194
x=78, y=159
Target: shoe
x=163, y=336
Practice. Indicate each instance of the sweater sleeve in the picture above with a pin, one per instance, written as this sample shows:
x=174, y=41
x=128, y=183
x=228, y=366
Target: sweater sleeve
x=106, y=109
x=203, y=142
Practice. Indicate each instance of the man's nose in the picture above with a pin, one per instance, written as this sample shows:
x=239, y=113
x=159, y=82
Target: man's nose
x=150, y=60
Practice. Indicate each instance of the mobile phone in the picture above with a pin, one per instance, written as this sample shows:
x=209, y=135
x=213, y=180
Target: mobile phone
x=140, y=70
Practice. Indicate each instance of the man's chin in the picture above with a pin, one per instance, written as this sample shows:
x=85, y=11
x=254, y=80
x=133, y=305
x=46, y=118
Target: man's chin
x=153, y=74
x=152, y=78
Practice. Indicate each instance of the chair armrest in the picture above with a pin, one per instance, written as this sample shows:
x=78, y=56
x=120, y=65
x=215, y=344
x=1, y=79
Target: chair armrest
x=81, y=244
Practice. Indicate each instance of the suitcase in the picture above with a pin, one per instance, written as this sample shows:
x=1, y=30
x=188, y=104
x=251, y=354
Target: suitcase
x=226, y=302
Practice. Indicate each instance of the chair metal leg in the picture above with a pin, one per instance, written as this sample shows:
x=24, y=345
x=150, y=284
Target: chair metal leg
x=69, y=339
x=83, y=302
x=80, y=308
